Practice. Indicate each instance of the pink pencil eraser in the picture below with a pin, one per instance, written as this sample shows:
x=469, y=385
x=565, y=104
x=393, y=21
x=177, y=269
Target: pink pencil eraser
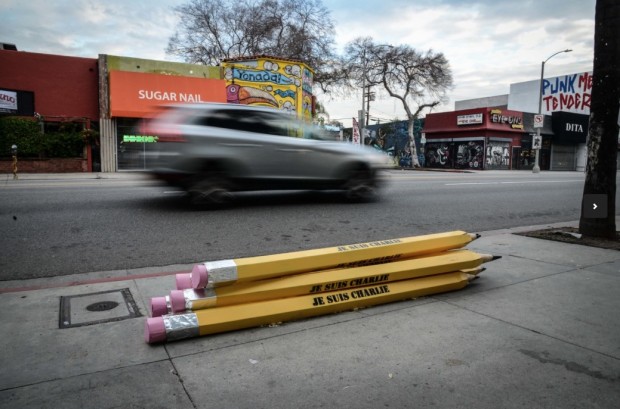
x=154, y=330
x=177, y=301
x=200, y=278
x=159, y=306
x=184, y=281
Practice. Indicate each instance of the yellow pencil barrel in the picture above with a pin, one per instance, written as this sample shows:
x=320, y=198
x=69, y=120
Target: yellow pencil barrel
x=233, y=317
x=323, y=281
x=223, y=272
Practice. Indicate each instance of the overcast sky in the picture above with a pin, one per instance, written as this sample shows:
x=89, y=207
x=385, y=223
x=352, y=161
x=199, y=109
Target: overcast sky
x=489, y=43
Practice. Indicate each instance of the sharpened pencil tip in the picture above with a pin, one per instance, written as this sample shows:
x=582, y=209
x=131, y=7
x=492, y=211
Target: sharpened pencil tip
x=471, y=277
x=488, y=257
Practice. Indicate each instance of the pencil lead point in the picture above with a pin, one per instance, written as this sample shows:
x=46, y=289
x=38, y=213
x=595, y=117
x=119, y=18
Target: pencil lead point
x=488, y=257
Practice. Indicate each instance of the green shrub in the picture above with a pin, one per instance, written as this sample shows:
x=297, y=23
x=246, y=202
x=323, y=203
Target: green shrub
x=63, y=145
x=24, y=133
x=66, y=141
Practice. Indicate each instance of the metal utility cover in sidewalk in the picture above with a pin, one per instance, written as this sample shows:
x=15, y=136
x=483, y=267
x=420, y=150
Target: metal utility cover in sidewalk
x=97, y=308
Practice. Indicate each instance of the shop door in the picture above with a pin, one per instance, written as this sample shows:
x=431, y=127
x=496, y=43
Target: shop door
x=563, y=157
x=439, y=154
x=517, y=161
x=498, y=155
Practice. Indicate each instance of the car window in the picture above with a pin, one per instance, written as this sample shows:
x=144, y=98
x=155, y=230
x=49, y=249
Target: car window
x=274, y=124
x=248, y=121
x=217, y=119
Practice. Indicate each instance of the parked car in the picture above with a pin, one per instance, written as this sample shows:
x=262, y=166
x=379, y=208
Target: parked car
x=211, y=150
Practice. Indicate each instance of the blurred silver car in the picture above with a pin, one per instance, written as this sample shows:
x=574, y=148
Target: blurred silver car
x=212, y=150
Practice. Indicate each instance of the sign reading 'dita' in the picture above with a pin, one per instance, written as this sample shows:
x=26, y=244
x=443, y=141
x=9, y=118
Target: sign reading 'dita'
x=569, y=128
x=574, y=127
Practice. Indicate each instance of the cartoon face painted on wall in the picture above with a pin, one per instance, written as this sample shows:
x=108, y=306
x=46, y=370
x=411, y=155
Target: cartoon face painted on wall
x=236, y=94
x=270, y=82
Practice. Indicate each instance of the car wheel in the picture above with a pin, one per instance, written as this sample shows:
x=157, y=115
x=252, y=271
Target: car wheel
x=362, y=186
x=210, y=189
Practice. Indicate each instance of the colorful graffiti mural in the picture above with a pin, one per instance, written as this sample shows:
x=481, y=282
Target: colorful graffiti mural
x=570, y=93
x=438, y=155
x=469, y=155
x=498, y=155
x=393, y=138
x=271, y=82
x=455, y=155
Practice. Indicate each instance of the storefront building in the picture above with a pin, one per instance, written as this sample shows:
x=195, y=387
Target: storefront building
x=566, y=106
x=119, y=95
x=51, y=89
x=564, y=136
x=132, y=90
x=570, y=133
x=480, y=138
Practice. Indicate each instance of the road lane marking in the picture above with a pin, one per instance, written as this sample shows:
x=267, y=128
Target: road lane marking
x=512, y=183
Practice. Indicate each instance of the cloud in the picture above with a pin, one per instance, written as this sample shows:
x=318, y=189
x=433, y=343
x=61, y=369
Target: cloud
x=489, y=43
x=87, y=28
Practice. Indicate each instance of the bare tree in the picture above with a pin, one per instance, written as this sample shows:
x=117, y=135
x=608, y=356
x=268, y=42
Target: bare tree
x=211, y=31
x=418, y=80
x=604, y=117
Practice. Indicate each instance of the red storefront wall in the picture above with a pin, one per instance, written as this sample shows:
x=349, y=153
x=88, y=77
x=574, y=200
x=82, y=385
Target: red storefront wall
x=64, y=87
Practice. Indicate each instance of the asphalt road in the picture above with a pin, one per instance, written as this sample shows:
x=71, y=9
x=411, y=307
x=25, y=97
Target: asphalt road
x=52, y=227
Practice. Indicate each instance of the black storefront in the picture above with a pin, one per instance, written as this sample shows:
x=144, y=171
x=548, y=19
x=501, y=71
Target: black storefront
x=570, y=132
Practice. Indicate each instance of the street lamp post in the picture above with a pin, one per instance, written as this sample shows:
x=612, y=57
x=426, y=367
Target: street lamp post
x=536, y=168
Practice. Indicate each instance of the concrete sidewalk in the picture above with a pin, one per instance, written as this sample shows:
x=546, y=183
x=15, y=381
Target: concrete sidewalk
x=136, y=175
x=539, y=329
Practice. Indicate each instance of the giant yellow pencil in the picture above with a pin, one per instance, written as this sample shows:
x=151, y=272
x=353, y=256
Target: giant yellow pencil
x=317, y=282
x=233, y=317
x=240, y=270
x=162, y=305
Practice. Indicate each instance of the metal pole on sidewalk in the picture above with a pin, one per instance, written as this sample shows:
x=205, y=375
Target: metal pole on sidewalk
x=536, y=168
x=14, y=154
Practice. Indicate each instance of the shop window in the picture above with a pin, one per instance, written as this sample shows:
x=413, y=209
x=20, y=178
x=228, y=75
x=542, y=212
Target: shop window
x=498, y=155
x=132, y=144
